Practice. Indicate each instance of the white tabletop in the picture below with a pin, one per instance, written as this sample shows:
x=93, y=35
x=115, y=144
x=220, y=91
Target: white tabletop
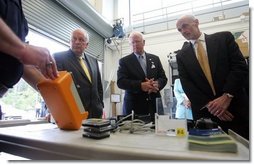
x=47, y=141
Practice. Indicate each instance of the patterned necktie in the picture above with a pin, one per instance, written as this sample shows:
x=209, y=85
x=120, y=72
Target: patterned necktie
x=142, y=63
x=204, y=63
x=82, y=63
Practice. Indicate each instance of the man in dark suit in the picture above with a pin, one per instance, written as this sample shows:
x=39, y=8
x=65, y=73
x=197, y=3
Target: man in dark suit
x=86, y=78
x=222, y=97
x=141, y=80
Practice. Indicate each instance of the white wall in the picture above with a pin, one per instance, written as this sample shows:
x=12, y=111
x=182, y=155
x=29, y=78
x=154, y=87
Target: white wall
x=105, y=8
x=108, y=10
x=110, y=68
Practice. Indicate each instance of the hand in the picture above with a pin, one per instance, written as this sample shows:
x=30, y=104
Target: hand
x=150, y=86
x=218, y=106
x=226, y=116
x=41, y=59
x=146, y=86
x=155, y=86
x=187, y=103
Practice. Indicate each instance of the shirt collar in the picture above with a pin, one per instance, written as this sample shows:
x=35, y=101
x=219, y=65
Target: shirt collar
x=137, y=55
x=201, y=38
x=82, y=56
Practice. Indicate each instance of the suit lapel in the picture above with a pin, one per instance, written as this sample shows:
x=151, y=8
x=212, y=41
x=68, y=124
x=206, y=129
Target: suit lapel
x=137, y=65
x=212, y=51
x=149, y=62
x=75, y=62
x=190, y=56
x=89, y=66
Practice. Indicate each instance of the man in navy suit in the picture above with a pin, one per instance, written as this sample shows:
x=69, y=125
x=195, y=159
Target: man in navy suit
x=226, y=101
x=88, y=86
x=142, y=77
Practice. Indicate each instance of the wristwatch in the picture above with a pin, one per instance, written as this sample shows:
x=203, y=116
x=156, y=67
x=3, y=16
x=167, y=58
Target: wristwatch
x=229, y=95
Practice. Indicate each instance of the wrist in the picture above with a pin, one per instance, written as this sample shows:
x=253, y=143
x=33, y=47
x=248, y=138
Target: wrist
x=22, y=52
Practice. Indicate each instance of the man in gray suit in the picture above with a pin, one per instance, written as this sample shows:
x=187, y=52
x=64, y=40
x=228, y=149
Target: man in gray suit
x=85, y=72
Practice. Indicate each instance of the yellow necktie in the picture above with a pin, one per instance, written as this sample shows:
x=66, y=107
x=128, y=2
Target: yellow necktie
x=82, y=63
x=203, y=61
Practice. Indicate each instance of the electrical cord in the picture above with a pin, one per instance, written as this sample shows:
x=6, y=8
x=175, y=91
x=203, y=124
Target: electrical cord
x=134, y=125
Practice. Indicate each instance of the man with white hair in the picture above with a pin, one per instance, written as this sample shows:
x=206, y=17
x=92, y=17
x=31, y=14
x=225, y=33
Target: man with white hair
x=142, y=77
x=85, y=72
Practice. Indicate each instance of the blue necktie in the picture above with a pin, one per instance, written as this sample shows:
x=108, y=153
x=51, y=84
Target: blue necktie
x=142, y=63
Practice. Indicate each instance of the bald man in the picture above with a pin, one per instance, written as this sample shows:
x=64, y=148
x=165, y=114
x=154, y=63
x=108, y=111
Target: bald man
x=223, y=96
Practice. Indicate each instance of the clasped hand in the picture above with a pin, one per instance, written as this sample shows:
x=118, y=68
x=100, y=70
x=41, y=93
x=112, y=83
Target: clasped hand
x=150, y=86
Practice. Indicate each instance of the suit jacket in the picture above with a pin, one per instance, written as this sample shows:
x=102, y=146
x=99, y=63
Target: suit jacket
x=91, y=94
x=229, y=71
x=129, y=77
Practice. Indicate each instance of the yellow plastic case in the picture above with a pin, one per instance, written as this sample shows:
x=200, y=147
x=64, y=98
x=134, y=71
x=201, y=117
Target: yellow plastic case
x=63, y=101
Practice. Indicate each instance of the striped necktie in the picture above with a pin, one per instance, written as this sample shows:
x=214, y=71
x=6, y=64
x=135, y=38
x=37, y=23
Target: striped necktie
x=204, y=63
x=82, y=63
